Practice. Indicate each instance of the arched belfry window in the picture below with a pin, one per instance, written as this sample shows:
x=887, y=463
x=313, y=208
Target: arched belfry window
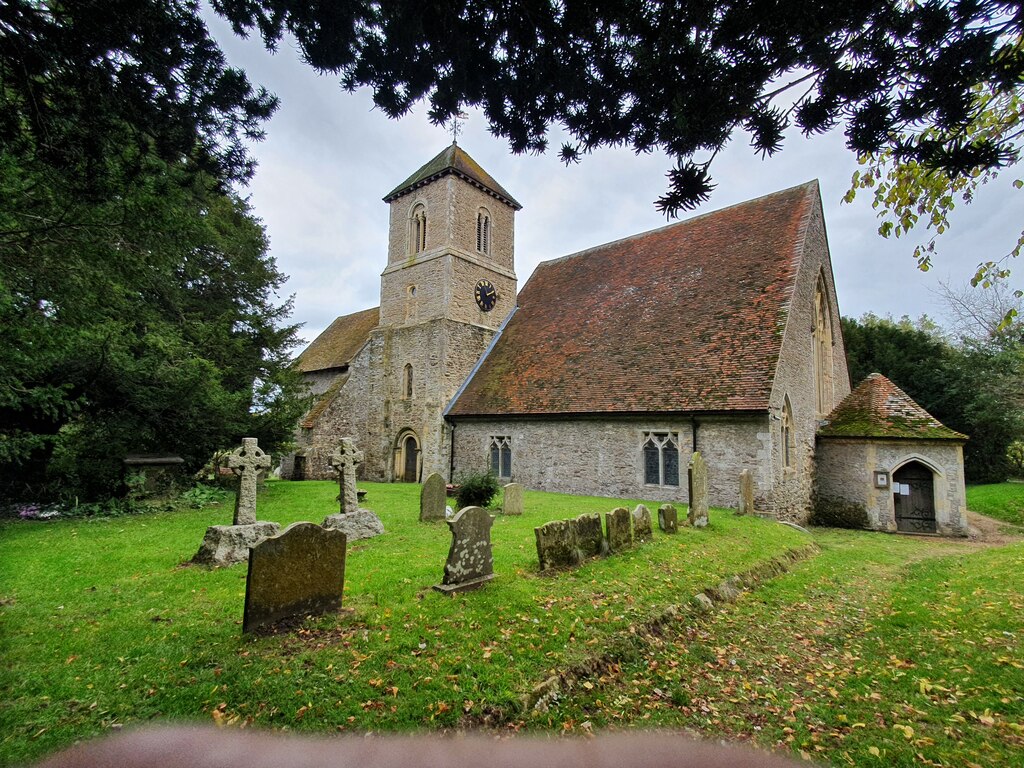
x=788, y=438
x=418, y=229
x=483, y=231
x=407, y=382
x=822, y=351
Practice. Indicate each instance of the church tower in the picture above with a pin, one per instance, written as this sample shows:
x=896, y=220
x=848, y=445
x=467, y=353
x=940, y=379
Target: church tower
x=449, y=284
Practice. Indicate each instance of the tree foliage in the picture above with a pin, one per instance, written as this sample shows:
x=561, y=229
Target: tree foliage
x=136, y=293
x=909, y=194
x=974, y=387
x=680, y=76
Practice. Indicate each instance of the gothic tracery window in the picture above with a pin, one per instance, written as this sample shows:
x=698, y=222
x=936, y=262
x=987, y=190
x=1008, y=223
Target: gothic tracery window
x=788, y=440
x=501, y=456
x=661, y=458
x=822, y=351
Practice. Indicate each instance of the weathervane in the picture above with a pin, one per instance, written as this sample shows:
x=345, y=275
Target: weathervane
x=456, y=127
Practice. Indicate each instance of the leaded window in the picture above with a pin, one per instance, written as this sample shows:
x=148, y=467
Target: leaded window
x=501, y=457
x=418, y=229
x=661, y=458
x=483, y=231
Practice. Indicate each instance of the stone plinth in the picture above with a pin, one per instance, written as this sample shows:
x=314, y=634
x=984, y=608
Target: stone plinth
x=225, y=545
x=361, y=524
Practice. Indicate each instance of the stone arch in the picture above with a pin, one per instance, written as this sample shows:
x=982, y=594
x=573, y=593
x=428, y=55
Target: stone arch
x=913, y=497
x=417, y=227
x=920, y=459
x=822, y=340
x=407, y=457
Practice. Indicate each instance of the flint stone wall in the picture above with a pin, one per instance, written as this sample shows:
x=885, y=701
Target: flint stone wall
x=845, y=471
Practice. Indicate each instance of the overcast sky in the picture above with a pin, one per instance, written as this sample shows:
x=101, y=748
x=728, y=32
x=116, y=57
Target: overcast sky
x=329, y=158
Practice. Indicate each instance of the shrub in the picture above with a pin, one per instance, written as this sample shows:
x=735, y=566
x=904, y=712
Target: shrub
x=477, y=490
x=838, y=513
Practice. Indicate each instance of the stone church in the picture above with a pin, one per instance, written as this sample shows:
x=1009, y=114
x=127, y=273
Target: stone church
x=718, y=334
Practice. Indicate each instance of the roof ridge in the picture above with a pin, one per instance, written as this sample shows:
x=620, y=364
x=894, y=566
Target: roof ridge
x=666, y=227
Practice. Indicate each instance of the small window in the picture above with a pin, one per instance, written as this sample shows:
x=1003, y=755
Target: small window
x=483, y=231
x=407, y=382
x=661, y=458
x=788, y=440
x=501, y=457
x=418, y=229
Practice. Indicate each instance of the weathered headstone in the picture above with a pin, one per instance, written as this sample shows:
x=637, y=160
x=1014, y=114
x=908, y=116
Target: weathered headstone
x=556, y=545
x=470, y=560
x=698, y=471
x=642, y=528
x=618, y=524
x=668, y=518
x=225, y=545
x=513, y=499
x=344, y=461
x=589, y=536
x=433, y=498
x=361, y=524
x=246, y=462
x=300, y=572
x=746, y=493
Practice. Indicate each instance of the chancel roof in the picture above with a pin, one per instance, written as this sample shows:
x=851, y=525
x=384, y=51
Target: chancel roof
x=878, y=408
x=453, y=159
x=338, y=344
x=687, y=318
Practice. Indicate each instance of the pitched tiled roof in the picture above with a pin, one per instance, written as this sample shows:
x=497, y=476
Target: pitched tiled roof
x=878, y=408
x=685, y=318
x=453, y=159
x=336, y=346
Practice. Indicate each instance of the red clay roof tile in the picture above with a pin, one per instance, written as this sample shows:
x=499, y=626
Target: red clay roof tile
x=685, y=318
x=878, y=408
x=338, y=344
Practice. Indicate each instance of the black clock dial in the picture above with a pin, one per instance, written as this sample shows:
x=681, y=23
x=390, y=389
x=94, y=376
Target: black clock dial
x=486, y=295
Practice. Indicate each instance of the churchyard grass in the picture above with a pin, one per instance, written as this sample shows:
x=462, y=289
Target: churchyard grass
x=102, y=626
x=882, y=650
x=1003, y=501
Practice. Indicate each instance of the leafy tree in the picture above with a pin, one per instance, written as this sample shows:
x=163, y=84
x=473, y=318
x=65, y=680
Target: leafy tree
x=908, y=193
x=136, y=293
x=971, y=387
x=680, y=76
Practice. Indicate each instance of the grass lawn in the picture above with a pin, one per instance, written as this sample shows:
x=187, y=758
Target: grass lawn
x=101, y=626
x=1003, y=501
x=883, y=650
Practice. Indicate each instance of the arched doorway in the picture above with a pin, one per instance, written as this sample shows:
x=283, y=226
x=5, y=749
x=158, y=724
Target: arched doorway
x=407, y=458
x=913, y=493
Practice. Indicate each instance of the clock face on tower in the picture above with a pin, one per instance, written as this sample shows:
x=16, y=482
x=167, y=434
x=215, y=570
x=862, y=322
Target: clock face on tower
x=486, y=295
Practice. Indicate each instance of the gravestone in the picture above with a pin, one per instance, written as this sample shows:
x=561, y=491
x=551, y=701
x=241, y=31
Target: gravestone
x=698, y=471
x=642, y=528
x=433, y=499
x=513, y=504
x=668, y=518
x=225, y=545
x=556, y=545
x=344, y=461
x=354, y=521
x=746, y=493
x=618, y=524
x=299, y=572
x=589, y=537
x=246, y=462
x=470, y=560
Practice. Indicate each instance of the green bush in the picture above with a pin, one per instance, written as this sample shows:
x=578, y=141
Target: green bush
x=838, y=513
x=477, y=490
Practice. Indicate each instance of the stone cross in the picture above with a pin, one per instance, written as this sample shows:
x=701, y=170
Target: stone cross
x=344, y=461
x=246, y=462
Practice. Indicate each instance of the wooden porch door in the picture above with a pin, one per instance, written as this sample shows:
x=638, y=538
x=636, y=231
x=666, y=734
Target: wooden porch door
x=914, y=498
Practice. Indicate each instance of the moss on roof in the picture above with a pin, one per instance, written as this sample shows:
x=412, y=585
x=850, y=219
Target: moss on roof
x=336, y=346
x=878, y=408
x=453, y=159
